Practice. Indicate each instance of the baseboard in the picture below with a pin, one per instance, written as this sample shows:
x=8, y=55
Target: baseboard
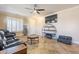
x=75, y=42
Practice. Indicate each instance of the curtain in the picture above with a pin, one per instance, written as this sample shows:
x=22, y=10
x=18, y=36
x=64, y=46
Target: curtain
x=14, y=24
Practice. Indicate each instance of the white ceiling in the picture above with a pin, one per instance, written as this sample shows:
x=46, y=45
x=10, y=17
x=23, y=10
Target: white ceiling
x=20, y=8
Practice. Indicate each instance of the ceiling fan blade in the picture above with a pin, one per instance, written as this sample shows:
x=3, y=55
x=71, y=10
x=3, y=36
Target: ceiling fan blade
x=29, y=8
x=40, y=9
x=38, y=12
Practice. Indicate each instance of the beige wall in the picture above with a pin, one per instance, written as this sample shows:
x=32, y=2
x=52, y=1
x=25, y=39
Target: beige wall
x=68, y=23
x=35, y=24
x=2, y=25
x=3, y=15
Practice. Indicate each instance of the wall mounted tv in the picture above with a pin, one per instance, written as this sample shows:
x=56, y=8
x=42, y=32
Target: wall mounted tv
x=51, y=19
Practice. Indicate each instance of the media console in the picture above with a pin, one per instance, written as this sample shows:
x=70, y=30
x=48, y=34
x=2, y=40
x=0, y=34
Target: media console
x=49, y=31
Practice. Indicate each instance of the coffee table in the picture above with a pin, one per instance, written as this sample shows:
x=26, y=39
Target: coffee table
x=32, y=38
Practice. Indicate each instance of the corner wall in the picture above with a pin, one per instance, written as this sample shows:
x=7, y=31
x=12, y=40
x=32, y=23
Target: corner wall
x=35, y=24
x=68, y=23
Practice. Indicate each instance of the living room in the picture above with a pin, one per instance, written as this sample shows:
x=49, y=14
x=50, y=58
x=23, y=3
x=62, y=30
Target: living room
x=42, y=28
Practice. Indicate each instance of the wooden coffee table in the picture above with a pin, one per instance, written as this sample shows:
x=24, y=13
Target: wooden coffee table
x=32, y=38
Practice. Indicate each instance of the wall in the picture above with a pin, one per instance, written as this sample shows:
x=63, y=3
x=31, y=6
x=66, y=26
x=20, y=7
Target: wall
x=35, y=24
x=68, y=23
x=3, y=16
x=2, y=25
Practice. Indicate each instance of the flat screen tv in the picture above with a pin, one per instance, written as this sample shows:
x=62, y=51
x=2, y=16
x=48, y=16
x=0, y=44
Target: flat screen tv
x=51, y=19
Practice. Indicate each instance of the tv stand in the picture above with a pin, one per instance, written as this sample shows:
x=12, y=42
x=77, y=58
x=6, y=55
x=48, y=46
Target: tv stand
x=49, y=31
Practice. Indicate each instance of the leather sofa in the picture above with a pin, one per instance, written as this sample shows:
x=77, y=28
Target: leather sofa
x=8, y=39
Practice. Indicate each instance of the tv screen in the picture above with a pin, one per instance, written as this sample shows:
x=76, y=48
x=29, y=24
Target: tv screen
x=51, y=19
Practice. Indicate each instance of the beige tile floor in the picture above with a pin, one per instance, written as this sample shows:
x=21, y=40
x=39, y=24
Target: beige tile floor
x=51, y=46
x=48, y=46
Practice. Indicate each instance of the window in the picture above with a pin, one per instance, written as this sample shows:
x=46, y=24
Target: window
x=14, y=24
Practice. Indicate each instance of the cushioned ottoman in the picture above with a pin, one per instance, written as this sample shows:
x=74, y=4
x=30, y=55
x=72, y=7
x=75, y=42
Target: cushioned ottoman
x=65, y=39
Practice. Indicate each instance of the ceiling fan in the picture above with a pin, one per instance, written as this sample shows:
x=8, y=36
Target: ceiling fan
x=35, y=9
